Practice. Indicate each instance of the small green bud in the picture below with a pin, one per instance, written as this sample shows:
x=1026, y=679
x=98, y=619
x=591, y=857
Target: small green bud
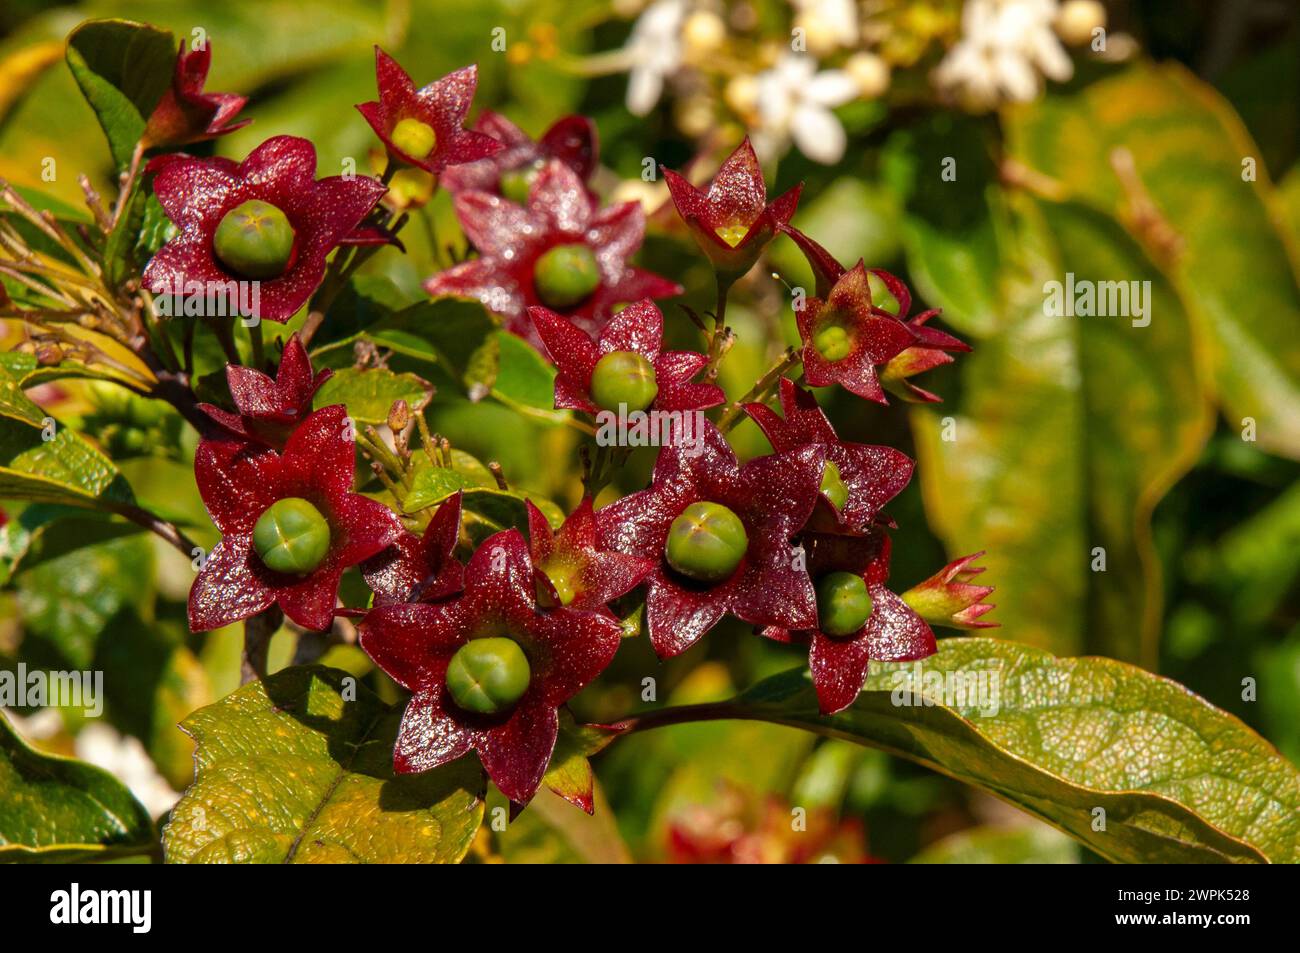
x=291, y=536
x=566, y=276
x=833, y=487
x=416, y=139
x=843, y=603
x=254, y=240
x=706, y=542
x=623, y=377
x=881, y=296
x=488, y=676
x=517, y=183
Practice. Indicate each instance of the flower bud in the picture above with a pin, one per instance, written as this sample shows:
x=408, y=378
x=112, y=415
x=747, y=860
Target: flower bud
x=515, y=184
x=623, y=377
x=843, y=603
x=566, y=275
x=254, y=240
x=706, y=542
x=487, y=676
x=291, y=536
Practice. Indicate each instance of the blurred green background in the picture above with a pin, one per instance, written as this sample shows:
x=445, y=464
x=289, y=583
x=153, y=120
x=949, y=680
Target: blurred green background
x=1072, y=435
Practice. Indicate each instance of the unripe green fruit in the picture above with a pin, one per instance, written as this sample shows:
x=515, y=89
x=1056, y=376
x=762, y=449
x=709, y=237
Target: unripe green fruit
x=566, y=276
x=291, y=536
x=706, y=542
x=623, y=377
x=833, y=487
x=881, y=296
x=254, y=240
x=517, y=183
x=487, y=676
x=843, y=603
x=416, y=139
x=832, y=340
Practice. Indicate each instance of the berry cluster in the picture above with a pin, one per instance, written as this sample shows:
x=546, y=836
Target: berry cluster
x=491, y=641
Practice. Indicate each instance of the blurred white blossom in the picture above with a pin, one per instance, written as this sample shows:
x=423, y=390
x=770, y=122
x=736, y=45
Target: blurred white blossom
x=827, y=25
x=652, y=52
x=124, y=757
x=794, y=101
x=1007, y=46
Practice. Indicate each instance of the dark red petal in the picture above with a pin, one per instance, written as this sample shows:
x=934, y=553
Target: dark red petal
x=286, y=163
x=229, y=588
x=237, y=481
x=826, y=270
x=677, y=617
x=366, y=527
x=895, y=632
x=492, y=223
x=450, y=97
x=615, y=233
x=515, y=754
x=572, y=352
x=428, y=737
x=320, y=455
x=839, y=667
x=783, y=209
x=577, y=645
x=499, y=577
x=393, y=82
x=673, y=372
x=310, y=601
x=573, y=140
x=561, y=198
x=412, y=642
x=638, y=328
x=191, y=189
x=541, y=541
x=255, y=393
x=737, y=194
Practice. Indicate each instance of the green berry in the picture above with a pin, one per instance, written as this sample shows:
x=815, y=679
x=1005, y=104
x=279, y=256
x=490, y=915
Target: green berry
x=517, y=183
x=487, y=676
x=566, y=276
x=254, y=240
x=832, y=339
x=623, y=377
x=881, y=296
x=843, y=603
x=416, y=139
x=291, y=536
x=706, y=542
x=833, y=487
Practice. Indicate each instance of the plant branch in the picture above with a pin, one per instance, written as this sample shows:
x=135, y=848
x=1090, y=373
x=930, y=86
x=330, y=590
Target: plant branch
x=257, y=643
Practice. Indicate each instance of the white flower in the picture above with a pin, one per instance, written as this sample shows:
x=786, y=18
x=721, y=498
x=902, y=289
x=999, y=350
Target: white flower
x=795, y=101
x=1007, y=46
x=653, y=51
x=827, y=24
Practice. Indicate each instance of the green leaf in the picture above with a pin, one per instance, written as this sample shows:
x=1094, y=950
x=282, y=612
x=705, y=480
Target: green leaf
x=1179, y=780
x=369, y=393
x=289, y=770
x=1230, y=263
x=1025, y=844
x=123, y=69
x=489, y=511
x=43, y=462
x=569, y=774
x=83, y=575
x=1068, y=432
x=432, y=484
x=58, y=809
